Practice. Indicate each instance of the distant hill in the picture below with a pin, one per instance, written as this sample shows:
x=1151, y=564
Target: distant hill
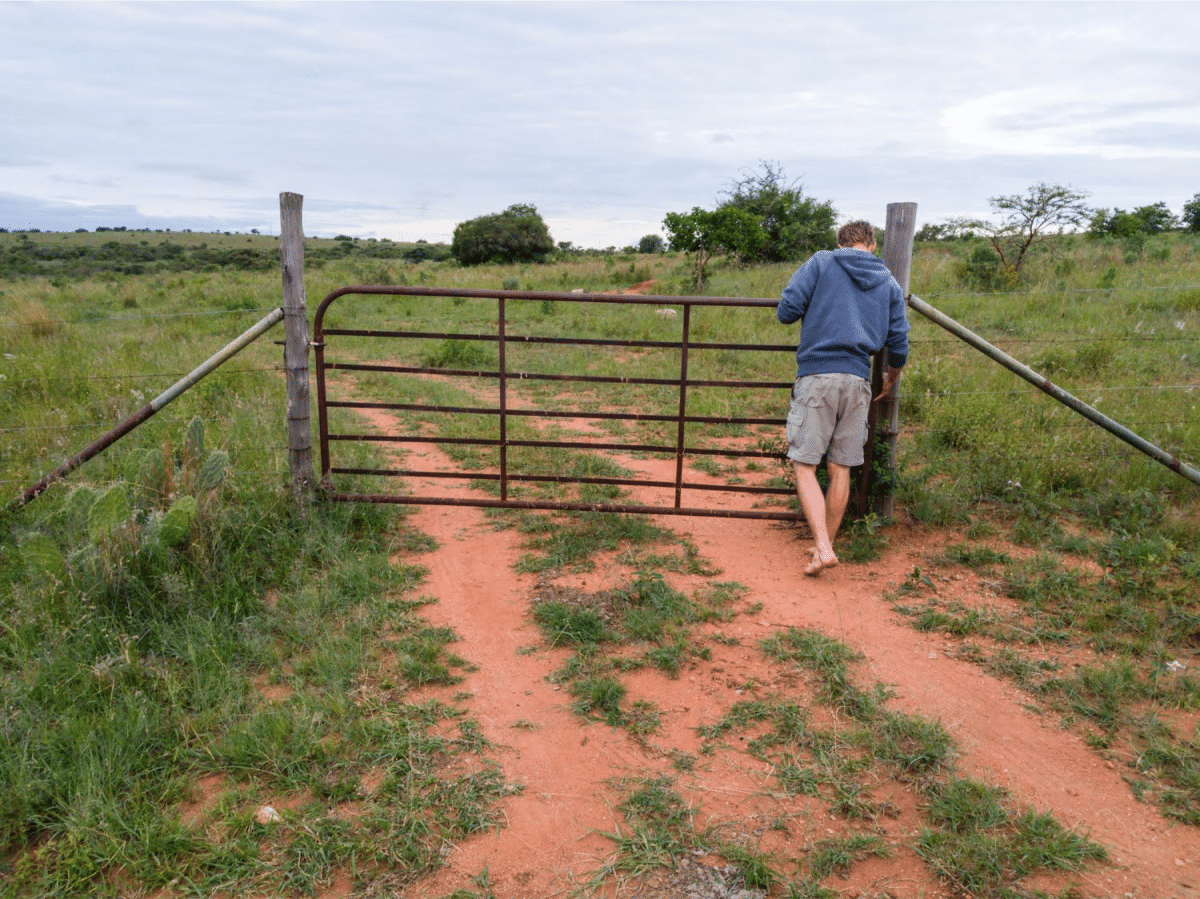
x=78, y=254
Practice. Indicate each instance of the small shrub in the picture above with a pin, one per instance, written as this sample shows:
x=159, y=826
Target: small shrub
x=983, y=269
x=1188, y=301
x=452, y=353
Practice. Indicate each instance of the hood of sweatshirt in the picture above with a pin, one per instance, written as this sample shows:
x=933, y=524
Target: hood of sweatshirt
x=866, y=270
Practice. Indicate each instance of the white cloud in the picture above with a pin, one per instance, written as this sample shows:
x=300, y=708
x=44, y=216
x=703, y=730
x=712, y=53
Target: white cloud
x=606, y=115
x=1049, y=120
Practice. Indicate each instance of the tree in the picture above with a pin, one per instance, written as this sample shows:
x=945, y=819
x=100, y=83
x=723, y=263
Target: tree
x=704, y=234
x=794, y=226
x=652, y=243
x=1117, y=223
x=1156, y=218
x=1191, y=214
x=518, y=234
x=1028, y=219
x=1152, y=219
x=930, y=231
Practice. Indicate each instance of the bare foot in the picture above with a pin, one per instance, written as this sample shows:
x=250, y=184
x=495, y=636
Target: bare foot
x=820, y=561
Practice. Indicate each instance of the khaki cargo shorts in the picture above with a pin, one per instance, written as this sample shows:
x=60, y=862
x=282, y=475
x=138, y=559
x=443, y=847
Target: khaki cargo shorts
x=828, y=413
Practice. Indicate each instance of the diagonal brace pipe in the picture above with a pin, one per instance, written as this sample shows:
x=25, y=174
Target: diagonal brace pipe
x=151, y=408
x=1043, y=384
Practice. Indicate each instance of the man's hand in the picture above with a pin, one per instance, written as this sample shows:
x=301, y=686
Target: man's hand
x=890, y=377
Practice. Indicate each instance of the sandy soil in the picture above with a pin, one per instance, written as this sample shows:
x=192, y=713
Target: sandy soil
x=552, y=838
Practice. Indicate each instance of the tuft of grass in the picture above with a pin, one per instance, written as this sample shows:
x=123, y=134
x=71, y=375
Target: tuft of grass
x=917, y=747
x=600, y=697
x=863, y=540
x=977, y=845
x=572, y=625
x=977, y=557
x=1174, y=764
x=838, y=854
x=828, y=659
x=661, y=828
x=571, y=543
x=971, y=621
x=36, y=319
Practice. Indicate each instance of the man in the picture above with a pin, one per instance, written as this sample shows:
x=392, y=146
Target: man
x=850, y=307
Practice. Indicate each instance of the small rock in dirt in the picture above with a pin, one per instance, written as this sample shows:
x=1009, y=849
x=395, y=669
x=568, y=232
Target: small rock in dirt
x=266, y=815
x=693, y=880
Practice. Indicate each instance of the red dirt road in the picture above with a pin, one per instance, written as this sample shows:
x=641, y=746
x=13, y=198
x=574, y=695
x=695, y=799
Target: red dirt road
x=552, y=841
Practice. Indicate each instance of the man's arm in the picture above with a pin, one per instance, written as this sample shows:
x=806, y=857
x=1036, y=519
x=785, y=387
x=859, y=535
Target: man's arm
x=897, y=341
x=798, y=293
x=891, y=375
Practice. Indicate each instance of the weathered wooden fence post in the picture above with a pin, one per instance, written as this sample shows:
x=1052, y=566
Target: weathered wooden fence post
x=295, y=350
x=900, y=231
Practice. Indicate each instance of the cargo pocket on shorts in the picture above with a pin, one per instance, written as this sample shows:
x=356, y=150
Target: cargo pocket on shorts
x=804, y=416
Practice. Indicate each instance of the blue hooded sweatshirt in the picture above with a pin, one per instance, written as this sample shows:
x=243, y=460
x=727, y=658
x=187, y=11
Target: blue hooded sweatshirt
x=850, y=307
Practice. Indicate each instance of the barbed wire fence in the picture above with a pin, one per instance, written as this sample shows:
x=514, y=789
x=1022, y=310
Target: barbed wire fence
x=65, y=436
x=1168, y=429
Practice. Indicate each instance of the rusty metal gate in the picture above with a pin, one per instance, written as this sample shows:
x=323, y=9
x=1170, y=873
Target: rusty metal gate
x=394, y=356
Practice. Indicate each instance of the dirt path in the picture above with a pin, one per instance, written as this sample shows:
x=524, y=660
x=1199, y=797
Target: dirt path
x=552, y=839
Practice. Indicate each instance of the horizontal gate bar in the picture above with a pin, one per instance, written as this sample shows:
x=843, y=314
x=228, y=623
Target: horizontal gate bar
x=550, y=413
x=539, y=376
x=568, y=341
x=557, y=479
x=565, y=444
x=539, y=505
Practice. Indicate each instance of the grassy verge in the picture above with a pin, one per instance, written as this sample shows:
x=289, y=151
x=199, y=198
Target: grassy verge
x=1097, y=621
x=198, y=699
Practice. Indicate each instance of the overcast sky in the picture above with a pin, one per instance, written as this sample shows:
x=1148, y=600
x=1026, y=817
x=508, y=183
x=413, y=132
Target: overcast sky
x=402, y=119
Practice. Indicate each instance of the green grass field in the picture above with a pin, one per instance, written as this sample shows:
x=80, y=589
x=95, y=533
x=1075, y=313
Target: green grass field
x=150, y=597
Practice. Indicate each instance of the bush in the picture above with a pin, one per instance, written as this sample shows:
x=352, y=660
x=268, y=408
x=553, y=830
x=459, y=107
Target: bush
x=518, y=234
x=983, y=269
x=794, y=226
x=1191, y=214
x=652, y=243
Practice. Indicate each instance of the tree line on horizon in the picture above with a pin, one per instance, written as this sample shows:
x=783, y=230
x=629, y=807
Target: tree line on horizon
x=765, y=218
x=761, y=218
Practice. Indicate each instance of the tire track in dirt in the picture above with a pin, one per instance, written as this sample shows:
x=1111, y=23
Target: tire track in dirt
x=999, y=740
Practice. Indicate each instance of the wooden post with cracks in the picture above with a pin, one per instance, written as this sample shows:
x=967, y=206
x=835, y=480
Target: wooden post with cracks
x=899, y=234
x=295, y=350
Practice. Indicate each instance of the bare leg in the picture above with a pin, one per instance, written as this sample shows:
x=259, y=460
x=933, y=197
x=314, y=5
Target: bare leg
x=837, y=495
x=819, y=514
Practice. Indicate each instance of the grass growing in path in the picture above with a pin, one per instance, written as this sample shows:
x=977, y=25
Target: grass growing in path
x=645, y=623
x=1110, y=589
x=836, y=758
